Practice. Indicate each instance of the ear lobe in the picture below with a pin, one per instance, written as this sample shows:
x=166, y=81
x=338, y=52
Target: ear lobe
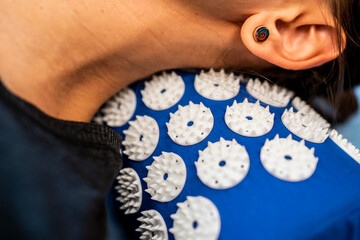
x=295, y=41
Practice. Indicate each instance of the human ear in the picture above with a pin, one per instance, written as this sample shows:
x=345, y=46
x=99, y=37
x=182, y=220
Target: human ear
x=297, y=39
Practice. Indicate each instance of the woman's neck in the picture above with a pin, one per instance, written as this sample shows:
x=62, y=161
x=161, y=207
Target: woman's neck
x=68, y=60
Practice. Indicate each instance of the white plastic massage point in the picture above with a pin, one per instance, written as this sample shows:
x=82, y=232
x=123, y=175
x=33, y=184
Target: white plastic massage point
x=141, y=138
x=190, y=124
x=288, y=159
x=222, y=164
x=217, y=85
x=97, y=118
x=300, y=104
x=345, y=145
x=166, y=177
x=164, y=91
x=196, y=218
x=129, y=189
x=152, y=226
x=305, y=109
x=119, y=108
x=249, y=119
x=270, y=94
x=305, y=126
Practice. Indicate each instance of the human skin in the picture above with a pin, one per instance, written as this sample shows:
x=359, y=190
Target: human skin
x=68, y=57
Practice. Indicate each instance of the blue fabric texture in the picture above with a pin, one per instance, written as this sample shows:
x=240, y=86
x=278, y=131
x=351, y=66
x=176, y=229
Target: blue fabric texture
x=325, y=205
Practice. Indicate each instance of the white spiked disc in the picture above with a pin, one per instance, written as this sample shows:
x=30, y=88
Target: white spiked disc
x=270, y=94
x=249, y=119
x=141, y=138
x=166, y=177
x=152, y=226
x=190, y=124
x=196, y=218
x=119, y=108
x=288, y=159
x=345, y=145
x=129, y=189
x=217, y=85
x=223, y=164
x=164, y=91
x=305, y=126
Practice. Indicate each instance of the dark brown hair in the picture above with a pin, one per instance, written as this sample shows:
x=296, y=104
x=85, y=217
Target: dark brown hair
x=332, y=82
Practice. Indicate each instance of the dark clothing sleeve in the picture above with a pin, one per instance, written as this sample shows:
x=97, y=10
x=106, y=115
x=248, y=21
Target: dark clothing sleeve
x=54, y=175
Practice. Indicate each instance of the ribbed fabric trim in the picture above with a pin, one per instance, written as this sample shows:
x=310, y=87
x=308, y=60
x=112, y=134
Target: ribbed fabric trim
x=82, y=133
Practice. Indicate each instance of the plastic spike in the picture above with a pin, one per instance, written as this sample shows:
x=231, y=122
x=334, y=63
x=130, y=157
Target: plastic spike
x=312, y=150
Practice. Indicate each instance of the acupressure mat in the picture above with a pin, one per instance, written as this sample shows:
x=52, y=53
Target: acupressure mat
x=214, y=155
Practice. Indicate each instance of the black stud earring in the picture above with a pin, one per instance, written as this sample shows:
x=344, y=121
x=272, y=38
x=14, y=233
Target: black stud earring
x=261, y=34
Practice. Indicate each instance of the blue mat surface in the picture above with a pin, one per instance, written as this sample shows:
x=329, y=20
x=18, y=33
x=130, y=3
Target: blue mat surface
x=324, y=206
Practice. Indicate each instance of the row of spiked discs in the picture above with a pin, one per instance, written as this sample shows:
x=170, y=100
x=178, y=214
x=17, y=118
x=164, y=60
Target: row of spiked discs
x=160, y=120
x=193, y=123
x=166, y=90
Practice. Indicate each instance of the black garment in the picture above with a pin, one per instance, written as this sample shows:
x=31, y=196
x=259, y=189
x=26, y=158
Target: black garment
x=54, y=175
